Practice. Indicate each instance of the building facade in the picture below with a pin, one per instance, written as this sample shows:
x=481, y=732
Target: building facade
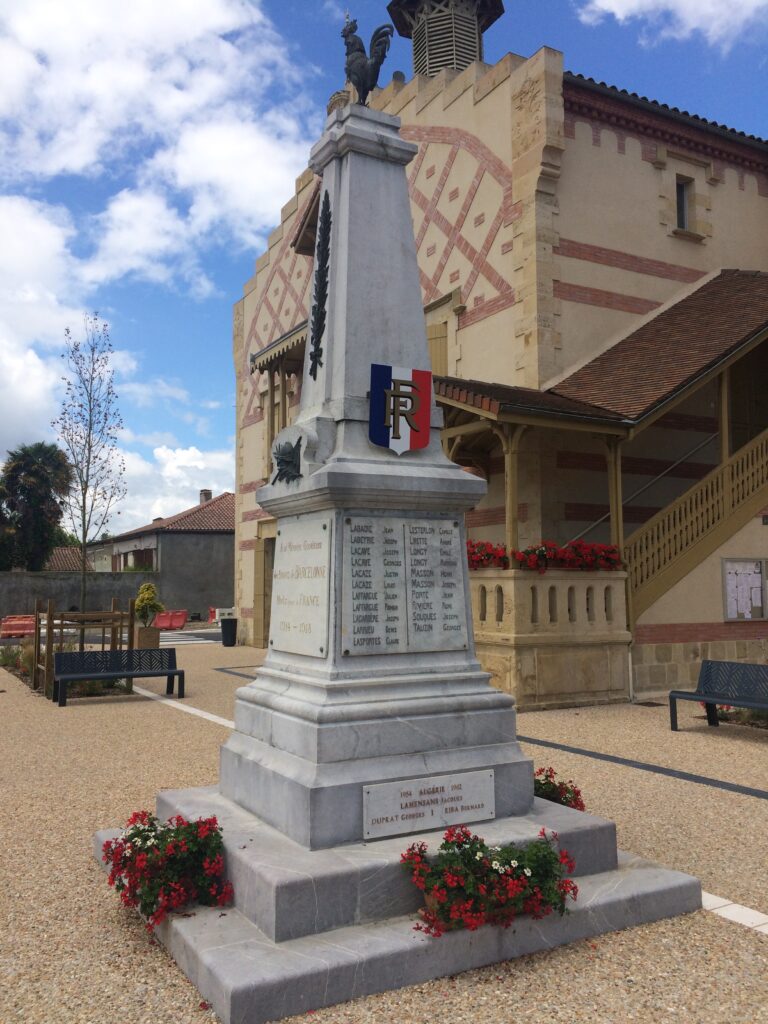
x=594, y=272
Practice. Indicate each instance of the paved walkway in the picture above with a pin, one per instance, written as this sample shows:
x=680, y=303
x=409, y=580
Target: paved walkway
x=70, y=954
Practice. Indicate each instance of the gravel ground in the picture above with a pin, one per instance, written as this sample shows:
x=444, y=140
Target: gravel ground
x=70, y=954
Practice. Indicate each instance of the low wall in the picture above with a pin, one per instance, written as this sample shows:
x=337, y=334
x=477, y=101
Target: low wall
x=558, y=639
x=19, y=590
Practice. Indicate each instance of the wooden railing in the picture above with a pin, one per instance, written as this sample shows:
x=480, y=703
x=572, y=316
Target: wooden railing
x=662, y=550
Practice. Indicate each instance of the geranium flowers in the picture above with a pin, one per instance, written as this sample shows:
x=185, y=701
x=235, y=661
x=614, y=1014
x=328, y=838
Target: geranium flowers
x=163, y=866
x=470, y=884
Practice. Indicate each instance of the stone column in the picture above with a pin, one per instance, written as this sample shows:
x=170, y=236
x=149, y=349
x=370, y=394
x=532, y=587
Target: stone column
x=371, y=675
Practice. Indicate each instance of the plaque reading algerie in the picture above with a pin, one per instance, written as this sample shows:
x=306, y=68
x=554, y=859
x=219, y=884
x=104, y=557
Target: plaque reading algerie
x=300, y=588
x=416, y=805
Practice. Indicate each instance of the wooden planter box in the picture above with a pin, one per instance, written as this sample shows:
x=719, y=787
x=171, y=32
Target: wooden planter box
x=147, y=637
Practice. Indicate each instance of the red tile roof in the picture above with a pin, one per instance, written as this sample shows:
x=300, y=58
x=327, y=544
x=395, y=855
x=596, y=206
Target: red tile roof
x=674, y=348
x=655, y=106
x=501, y=398
x=66, y=559
x=214, y=516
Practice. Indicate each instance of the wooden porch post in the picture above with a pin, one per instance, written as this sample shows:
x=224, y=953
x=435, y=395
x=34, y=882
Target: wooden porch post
x=270, y=415
x=283, y=417
x=724, y=414
x=511, y=436
x=614, y=492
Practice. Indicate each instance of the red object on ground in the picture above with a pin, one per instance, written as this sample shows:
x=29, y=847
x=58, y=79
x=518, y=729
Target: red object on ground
x=17, y=626
x=172, y=619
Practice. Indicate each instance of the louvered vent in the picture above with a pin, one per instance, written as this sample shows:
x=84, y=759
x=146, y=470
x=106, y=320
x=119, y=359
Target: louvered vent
x=446, y=34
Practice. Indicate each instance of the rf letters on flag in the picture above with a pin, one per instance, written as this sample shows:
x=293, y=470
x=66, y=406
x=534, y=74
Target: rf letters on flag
x=400, y=404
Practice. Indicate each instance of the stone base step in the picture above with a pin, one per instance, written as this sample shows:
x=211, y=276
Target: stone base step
x=289, y=891
x=249, y=979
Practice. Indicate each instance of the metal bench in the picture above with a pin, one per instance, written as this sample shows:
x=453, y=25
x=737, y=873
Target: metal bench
x=71, y=666
x=735, y=683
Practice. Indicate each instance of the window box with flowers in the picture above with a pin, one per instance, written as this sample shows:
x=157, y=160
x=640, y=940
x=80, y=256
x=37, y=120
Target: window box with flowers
x=469, y=884
x=550, y=622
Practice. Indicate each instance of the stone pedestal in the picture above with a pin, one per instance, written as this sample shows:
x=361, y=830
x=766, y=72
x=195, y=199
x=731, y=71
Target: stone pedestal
x=371, y=675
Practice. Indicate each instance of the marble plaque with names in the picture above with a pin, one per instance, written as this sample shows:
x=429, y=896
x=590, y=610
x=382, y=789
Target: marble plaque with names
x=403, y=589
x=416, y=805
x=300, y=588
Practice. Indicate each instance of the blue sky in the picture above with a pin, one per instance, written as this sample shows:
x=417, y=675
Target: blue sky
x=146, y=150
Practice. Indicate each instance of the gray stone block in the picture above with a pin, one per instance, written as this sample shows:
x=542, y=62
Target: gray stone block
x=289, y=891
x=249, y=979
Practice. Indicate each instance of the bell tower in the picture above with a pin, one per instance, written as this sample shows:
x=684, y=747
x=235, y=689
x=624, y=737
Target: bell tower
x=445, y=33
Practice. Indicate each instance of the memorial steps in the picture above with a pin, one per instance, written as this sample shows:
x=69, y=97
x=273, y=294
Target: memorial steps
x=315, y=928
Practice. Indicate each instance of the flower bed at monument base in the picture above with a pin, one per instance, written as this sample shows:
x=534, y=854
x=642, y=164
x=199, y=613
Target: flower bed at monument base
x=469, y=884
x=547, y=786
x=159, y=866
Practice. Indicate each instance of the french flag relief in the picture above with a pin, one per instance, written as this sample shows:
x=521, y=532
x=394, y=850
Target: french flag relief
x=401, y=400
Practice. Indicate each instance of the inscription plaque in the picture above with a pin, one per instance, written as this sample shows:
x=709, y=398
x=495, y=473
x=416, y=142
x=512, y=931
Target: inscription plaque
x=403, y=589
x=300, y=588
x=415, y=805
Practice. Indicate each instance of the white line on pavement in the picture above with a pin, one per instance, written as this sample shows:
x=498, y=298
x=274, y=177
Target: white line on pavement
x=186, y=708
x=715, y=904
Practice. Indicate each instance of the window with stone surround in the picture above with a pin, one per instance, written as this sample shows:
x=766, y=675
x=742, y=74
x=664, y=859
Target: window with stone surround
x=684, y=187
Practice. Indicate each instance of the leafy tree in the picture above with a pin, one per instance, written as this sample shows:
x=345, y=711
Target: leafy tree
x=36, y=481
x=87, y=427
x=64, y=539
x=7, y=532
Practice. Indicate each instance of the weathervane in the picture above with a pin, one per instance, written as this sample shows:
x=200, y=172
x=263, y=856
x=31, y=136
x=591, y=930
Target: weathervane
x=363, y=70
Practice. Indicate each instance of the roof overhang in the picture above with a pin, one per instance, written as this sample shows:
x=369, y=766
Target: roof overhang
x=286, y=353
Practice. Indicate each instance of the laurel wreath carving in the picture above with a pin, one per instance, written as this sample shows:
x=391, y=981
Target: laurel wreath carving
x=322, y=259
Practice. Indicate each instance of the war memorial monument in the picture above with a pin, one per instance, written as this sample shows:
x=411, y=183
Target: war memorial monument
x=371, y=720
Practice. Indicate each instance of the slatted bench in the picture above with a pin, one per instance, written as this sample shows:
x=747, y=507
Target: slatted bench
x=71, y=666
x=736, y=683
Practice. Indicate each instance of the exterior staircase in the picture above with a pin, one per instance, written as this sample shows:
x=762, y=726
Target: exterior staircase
x=678, y=538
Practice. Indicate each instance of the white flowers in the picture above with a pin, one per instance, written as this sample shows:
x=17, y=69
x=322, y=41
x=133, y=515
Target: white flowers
x=527, y=872
x=513, y=863
x=495, y=865
x=479, y=855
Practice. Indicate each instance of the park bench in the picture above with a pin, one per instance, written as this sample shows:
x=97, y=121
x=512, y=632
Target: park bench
x=70, y=666
x=734, y=683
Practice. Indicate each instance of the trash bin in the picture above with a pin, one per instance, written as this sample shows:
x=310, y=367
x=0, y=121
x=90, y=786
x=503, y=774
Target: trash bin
x=228, y=632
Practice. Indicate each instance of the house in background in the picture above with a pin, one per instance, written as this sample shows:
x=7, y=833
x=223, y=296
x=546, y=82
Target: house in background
x=594, y=273
x=67, y=559
x=192, y=552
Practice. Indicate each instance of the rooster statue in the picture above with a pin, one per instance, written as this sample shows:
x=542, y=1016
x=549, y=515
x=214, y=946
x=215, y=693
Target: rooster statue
x=363, y=70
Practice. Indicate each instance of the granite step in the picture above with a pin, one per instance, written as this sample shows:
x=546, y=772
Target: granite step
x=289, y=891
x=249, y=979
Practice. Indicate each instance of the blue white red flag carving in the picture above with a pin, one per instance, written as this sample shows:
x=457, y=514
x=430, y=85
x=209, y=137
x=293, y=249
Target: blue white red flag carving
x=401, y=400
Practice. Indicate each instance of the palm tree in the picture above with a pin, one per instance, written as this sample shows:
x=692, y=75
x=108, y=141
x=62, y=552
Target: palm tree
x=36, y=478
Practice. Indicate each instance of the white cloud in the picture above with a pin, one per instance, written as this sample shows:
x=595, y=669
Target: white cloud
x=721, y=22
x=147, y=393
x=171, y=482
x=190, y=111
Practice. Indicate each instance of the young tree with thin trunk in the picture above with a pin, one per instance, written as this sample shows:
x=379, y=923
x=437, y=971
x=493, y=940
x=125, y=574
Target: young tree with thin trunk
x=87, y=426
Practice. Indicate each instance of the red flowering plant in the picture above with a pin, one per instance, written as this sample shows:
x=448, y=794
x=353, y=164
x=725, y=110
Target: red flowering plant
x=469, y=884
x=577, y=554
x=163, y=866
x=481, y=554
x=547, y=785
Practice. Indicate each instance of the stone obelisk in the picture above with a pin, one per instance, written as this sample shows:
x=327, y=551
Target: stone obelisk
x=371, y=676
